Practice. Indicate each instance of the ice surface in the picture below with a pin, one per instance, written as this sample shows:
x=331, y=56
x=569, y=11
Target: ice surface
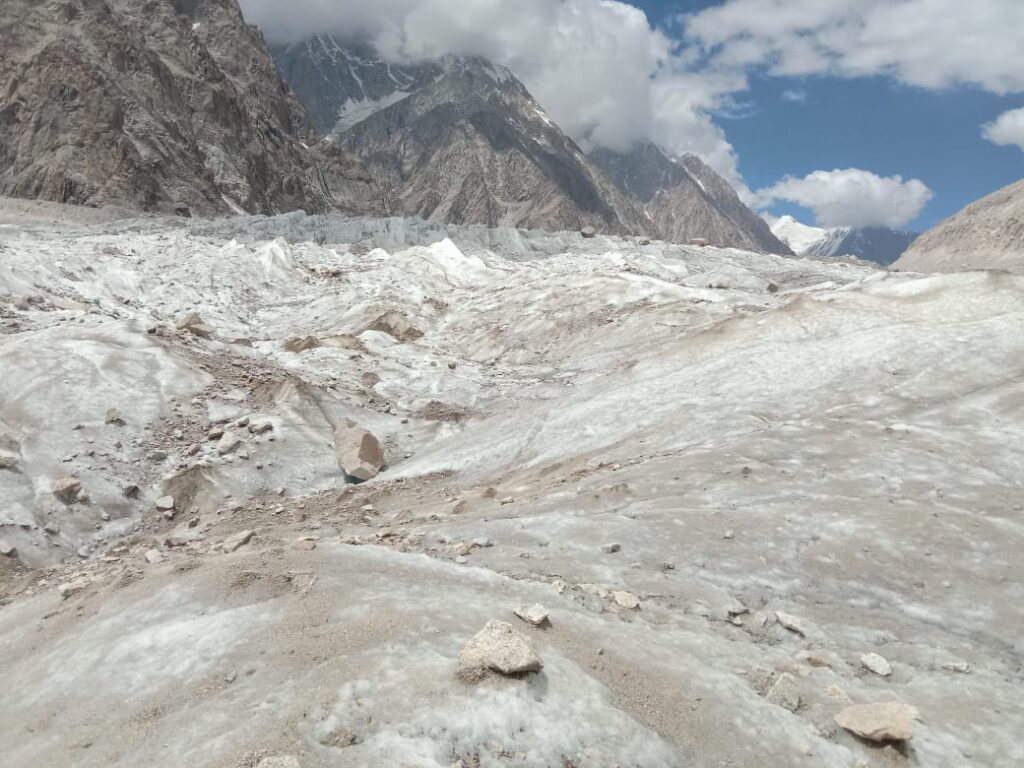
x=758, y=434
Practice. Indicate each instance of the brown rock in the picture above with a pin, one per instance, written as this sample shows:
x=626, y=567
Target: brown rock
x=302, y=343
x=359, y=453
x=888, y=721
x=67, y=488
x=395, y=324
x=195, y=325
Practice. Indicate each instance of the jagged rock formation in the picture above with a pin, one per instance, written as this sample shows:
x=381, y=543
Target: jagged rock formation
x=166, y=105
x=879, y=244
x=344, y=83
x=686, y=199
x=460, y=140
x=987, y=234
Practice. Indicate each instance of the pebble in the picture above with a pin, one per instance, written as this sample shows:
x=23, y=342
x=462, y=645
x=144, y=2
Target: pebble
x=626, y=600
x=535, y=614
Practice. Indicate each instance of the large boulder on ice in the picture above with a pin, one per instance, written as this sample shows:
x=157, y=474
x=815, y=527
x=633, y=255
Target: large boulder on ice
x=360, y=454
x=888, y=721
x=396, y=325
x=498, y=647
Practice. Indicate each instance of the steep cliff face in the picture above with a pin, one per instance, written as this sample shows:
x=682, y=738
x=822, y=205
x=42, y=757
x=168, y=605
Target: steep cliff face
x=987, y=234
x=473, y=146
x=167, y=105
x=342, y=83
x=686, y=199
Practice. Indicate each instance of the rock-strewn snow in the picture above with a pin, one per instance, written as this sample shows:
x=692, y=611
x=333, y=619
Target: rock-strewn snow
x=800, y=463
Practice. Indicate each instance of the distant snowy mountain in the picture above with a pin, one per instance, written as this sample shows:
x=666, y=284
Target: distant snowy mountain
x=879, y=244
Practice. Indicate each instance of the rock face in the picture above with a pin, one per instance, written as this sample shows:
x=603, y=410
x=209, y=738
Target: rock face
x=687, y=200
x=987, y=234
x=879, y=244
x=360, y=454
x=343, y=83
x=168, y=105
x=458, y=140
x=890, y=721
x=498, y=647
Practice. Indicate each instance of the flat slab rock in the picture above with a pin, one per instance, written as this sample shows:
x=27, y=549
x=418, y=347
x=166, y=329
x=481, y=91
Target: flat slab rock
x=888, y=721
x=498, y=647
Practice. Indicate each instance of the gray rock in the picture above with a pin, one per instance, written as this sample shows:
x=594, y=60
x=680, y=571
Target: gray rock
x=876, y=664
x=153, y=556
x=535, y=614
x=195, y=325
x=7, y=549
x=785, y=692
x=888, y=721
x=236, y=541
x=498, y=647
x=228, y=442
x=611, y=549
x=793, y=623
x=114, y=417
x=165, y=504
x=74, y=587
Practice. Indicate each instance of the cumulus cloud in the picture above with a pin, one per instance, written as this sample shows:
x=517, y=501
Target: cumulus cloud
x=608, y=78
x=597, y=66
x=1007, y=129
x=852, y=197
x=926, y=43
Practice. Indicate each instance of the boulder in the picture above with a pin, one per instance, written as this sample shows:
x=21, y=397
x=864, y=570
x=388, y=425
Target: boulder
x=498, y=647
x=877, y=664
x=588, y=232
x=888, y=721
x=785, y=692
x=165, y=504
x=71, y=588
x=67, y=488
x=359, y=453
x=396, y=325
x=302, y=343
x=195, y=325
x=228, y=442
x=626, y=600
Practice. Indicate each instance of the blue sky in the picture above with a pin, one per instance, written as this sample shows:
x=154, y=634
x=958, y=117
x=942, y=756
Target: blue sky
x=875, y=123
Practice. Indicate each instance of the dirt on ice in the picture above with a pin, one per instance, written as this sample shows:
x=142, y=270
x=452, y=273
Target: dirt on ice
x=749, y=492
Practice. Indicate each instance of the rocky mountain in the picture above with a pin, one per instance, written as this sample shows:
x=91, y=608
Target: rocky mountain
x=342, y=83
x=879, y=244
x=686, y=199
x=166, y=105
x=987, y=234
x=473, y=146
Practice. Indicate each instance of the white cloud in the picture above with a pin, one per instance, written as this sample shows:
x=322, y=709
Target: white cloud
x=1007, y=130
x=852, y=197
x=795, y=95
x=598, y=68
x=927, y=43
